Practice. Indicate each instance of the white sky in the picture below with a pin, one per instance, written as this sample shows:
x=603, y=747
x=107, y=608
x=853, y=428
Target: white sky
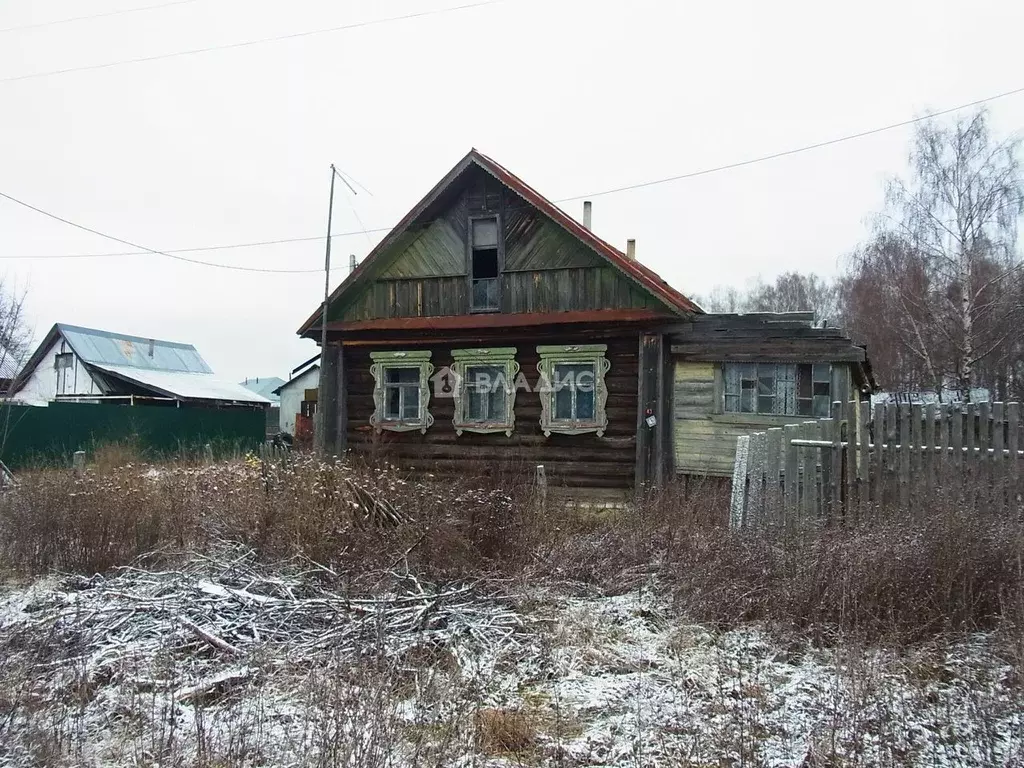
x=574, y=96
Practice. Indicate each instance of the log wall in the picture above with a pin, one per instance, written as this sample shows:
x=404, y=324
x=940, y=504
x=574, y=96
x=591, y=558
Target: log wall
x=576, y=461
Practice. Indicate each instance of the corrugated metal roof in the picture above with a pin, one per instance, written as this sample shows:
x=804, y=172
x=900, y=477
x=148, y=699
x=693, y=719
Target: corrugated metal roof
x=106, y=348
x=188, y=386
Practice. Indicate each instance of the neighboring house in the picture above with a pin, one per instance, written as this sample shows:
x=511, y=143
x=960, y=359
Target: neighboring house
x=266, y=386
x=292, y=393
x=490, y=326
x=87, y=365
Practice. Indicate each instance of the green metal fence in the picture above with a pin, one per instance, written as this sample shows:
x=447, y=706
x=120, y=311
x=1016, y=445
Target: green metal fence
x=31, y=436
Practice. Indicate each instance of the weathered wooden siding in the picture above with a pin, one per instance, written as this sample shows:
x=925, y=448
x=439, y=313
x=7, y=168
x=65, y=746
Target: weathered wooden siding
x=578, y=461
x=561, y=290
x=435, y=251
x=534, y=242
x=426, y=297
x=704, y=439
x=545, y=268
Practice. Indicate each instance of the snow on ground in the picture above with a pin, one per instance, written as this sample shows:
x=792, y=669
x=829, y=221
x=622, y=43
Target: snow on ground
x=574, y=681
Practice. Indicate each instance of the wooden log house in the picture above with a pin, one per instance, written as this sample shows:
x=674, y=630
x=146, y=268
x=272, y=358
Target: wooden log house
x=490, y=328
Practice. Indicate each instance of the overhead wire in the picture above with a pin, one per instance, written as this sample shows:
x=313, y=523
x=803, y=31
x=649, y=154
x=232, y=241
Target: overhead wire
x=794, y=151
x=257, y=41
x=154, y=251
x=103, y=15
x=364, y=231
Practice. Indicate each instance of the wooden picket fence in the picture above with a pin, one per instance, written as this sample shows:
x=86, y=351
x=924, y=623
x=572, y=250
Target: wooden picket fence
x=844, y=468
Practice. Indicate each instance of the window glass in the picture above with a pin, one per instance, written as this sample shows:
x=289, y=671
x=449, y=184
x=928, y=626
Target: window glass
x=411, y=402
x=401, y=393
x=780, y=389
x=393, y=403
x=574, y=391
x=485, y=233
x=402, y=376
x=563, y=404
x=485, y=392
x=585, y=404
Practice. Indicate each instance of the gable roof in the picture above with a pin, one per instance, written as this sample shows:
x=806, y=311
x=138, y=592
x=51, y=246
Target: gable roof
x=265, y=386
x=107, y=348
x=645, y=277
x=298, y=377
x=168, y=368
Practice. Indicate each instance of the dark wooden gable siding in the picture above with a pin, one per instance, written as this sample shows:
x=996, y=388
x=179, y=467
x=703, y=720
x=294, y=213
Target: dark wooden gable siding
x=578, y=461
x=546, y=268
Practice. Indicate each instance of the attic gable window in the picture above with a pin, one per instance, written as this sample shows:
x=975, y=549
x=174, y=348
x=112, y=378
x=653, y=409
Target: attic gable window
x=485, y=393
x=401, y=392
x=778, y=389
x=484, y=267
x=573, y=392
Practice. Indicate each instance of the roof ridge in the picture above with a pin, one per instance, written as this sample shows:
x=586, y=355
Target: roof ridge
x=128, y=336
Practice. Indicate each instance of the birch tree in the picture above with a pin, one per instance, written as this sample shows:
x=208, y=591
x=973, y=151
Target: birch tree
x=944, y=264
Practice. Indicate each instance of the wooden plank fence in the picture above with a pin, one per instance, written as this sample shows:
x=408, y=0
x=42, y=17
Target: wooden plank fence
x=844, y=468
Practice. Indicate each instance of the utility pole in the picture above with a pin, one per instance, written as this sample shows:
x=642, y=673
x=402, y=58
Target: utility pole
x=320, y=424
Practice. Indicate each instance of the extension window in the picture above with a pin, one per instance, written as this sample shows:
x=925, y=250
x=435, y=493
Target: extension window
x=778, y=389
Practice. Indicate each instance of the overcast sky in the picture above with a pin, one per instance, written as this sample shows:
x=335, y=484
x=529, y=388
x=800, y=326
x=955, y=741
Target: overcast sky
x=574, y=96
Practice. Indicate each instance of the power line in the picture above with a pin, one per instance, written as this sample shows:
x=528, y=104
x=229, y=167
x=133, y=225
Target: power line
x=95, y=16
x=247, y=43
x=130, y=244
x=614, y=190
x=200, y=249
x=786, y=153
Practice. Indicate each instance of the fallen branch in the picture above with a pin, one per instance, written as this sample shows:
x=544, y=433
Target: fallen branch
x=212, y=639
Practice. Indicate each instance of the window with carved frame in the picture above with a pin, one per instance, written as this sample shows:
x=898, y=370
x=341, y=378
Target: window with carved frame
x=401, y=392
x=485, y=390
x=572, y=388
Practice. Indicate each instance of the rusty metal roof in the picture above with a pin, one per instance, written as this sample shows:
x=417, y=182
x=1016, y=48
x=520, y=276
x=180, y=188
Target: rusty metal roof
x=642, y=275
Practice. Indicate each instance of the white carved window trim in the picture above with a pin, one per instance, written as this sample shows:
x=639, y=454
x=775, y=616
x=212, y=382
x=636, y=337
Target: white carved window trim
x=570, y=354
x=384, y=361
x=500, y=357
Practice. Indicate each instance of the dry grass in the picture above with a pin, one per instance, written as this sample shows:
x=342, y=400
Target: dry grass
x=831, y=597
x=956, y=570
x=505, y=731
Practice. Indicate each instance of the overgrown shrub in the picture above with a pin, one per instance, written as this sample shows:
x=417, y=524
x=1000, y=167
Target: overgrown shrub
x=891, y=578
x=956, y=570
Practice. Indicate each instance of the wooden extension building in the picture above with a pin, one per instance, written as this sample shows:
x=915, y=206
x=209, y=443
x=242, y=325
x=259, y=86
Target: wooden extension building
x=489, y=327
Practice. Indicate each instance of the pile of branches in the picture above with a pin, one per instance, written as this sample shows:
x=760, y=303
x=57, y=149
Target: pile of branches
x=228, y=607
